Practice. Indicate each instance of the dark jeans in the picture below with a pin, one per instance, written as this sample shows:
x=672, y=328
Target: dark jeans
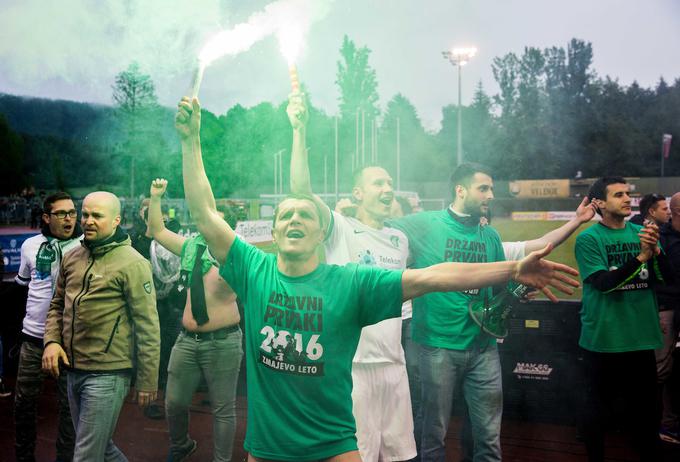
x=623, y=384
x=664, y=369
x=29, y=385
x=170, y=321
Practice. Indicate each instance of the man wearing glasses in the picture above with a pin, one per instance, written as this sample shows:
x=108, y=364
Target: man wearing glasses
x=40, y=260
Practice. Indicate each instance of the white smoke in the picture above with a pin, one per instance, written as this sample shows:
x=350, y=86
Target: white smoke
x=47, y=43
x=288, y=19
x=76, y=40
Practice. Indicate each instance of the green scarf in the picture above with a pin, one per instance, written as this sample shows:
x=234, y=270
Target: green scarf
x=188, y=256
x=192, y=248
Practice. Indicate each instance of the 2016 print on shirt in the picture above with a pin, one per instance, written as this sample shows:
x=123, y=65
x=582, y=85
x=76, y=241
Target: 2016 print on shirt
x=292, y=334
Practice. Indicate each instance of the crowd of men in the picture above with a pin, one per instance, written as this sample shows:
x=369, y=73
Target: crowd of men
x=357, y=357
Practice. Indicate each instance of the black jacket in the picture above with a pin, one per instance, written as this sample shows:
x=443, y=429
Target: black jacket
x=669, y=295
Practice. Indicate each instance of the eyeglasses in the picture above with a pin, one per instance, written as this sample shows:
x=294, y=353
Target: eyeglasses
x=62, y=214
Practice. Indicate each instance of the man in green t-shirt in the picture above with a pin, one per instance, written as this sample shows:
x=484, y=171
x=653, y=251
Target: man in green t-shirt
x=619, y=262
x=303, y=318
x=453, y=351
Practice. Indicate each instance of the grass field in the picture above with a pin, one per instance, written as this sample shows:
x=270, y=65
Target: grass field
x=527, y=230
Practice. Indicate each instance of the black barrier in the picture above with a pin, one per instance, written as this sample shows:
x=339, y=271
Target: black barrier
x=540, y=362
x=13, y=303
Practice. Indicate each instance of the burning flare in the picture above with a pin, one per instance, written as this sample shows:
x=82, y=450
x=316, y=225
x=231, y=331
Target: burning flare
x=288, y=19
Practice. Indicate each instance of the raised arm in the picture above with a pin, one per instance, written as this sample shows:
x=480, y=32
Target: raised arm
x=532, y=271
x=300, y=181
x=199, y=195
x=171, y=241
x=584, y=213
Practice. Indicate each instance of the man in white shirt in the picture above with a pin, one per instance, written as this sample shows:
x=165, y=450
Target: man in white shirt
x=40, y=261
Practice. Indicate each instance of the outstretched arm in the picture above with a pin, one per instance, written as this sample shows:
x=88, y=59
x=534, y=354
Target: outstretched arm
x=217, y=233
x=171, y=241
x=300, y=182
x=532, y=271
x=584, y=213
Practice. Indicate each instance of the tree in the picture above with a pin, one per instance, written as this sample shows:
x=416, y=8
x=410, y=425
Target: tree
x=506, y=72
x=134, y=94
x=546, y=109
x=11, y=158
x=357, y=82
x=133, y=91
x=481, y=131
x=418, y=157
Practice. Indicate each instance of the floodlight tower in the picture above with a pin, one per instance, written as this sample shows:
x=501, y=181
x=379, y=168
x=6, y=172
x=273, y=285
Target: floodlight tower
x=459, y=57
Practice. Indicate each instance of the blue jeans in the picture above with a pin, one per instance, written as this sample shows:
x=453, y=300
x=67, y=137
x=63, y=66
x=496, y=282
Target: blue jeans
x=219, y=361
x=96, y=400
x=478, y=372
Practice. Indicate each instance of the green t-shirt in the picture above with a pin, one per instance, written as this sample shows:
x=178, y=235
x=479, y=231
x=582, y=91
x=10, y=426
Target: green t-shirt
x=441, y=319
x=301, y=335
x=626, y=318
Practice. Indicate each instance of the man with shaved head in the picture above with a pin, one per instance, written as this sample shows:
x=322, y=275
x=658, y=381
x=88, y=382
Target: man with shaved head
x=101, y=325
x=668, y=297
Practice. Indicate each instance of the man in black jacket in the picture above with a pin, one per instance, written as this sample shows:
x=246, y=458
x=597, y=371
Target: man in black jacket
x=669, y=314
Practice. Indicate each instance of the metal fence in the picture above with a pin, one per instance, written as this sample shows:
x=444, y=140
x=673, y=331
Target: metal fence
x=20, y=211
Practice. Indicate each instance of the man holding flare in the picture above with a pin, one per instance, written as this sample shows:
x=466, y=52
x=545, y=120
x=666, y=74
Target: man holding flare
x=304, y=318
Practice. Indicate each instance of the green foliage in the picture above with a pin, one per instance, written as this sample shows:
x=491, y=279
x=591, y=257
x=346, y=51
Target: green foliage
x=551, y=117
x=11, y=159
x=357, y=82
x=142, y=144
x=133, y=91
x=418, y=154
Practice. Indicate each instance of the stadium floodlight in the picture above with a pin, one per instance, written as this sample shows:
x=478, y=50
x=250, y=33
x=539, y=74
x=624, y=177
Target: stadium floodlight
x=459, y=57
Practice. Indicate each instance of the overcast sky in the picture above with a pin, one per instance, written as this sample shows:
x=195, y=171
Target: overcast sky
x=72, y=49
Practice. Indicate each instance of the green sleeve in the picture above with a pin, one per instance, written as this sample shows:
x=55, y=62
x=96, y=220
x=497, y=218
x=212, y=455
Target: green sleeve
x=589, y=256
x=380, y=294
x=141, y=299
x=242, y=260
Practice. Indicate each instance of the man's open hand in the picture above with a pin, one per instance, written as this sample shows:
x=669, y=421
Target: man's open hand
x=585, y=211
x=534, y=271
